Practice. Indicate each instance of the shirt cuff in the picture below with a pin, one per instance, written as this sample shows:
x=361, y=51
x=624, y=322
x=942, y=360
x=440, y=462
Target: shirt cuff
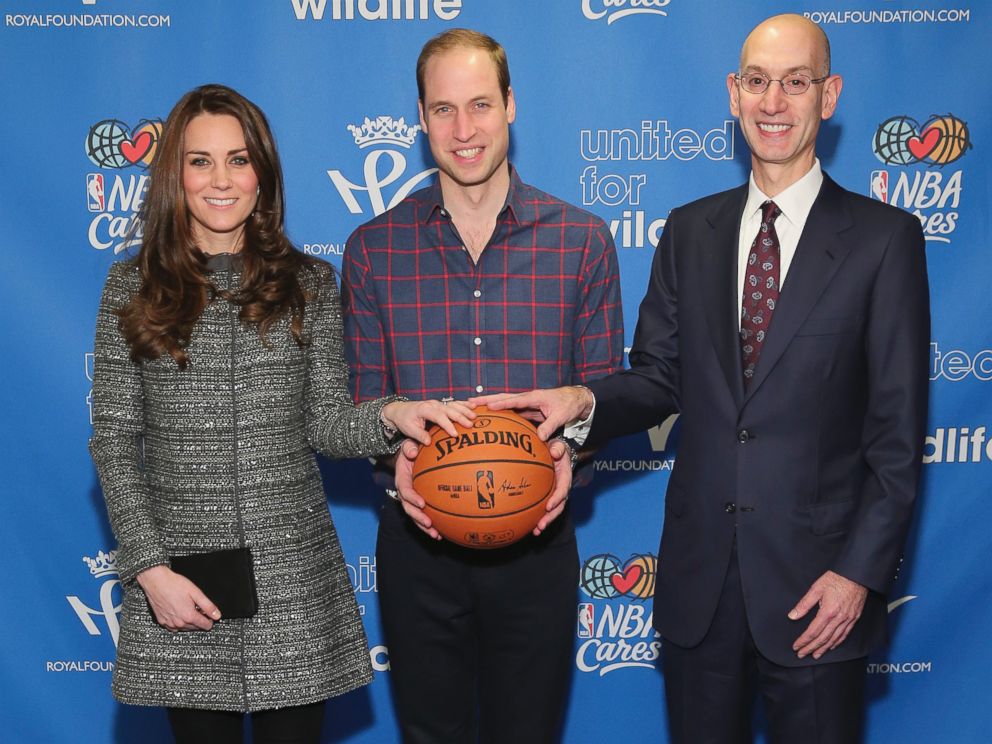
x=579, y=431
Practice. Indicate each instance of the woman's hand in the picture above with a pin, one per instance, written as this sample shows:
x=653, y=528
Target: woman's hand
x=412, y=417
x=412, y=502
x=176, y=602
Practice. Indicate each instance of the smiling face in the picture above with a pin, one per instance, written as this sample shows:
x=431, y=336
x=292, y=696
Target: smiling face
x=781, y=129
x=219, y=183
x=465, y=118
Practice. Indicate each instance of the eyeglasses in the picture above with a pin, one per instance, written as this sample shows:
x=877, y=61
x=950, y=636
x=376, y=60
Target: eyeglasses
x=794, y=84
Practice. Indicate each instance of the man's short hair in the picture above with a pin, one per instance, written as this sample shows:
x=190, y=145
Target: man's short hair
x=465, y=38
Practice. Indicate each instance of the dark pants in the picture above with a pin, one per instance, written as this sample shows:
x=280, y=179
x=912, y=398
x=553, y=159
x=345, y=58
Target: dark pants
x=710, y=688
x=299, y=724
x=480, y=642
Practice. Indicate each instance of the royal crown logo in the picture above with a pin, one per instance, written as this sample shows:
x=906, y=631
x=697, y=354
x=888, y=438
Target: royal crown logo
x=384, y=168
x=384, y=130
x=102, y=563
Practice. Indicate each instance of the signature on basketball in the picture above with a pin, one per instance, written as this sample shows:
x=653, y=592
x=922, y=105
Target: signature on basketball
x=514, y=489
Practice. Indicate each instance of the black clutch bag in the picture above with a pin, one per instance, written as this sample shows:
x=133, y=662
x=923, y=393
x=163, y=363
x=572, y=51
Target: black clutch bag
x=225, y=576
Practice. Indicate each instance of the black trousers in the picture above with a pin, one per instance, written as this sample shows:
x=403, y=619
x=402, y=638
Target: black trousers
x=710, y=689
x=480, y=642
x=298, y=724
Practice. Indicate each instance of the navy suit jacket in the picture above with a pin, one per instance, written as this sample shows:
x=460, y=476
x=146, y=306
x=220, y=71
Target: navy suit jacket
x=815, y=466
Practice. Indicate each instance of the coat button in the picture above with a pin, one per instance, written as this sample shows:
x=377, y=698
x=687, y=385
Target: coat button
x=743, y=436
x=730, y=507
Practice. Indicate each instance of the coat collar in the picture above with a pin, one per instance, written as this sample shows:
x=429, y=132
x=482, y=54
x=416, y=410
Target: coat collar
x=722, y=306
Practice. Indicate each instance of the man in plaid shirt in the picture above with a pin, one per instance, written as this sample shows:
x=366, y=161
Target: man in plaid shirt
x=478, y=284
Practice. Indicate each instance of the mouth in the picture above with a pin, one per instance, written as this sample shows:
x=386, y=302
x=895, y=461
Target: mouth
x=219, y=202
x=468, y=153
x=773, y=128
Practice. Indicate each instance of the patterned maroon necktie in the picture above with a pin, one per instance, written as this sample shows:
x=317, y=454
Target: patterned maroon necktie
x=760, y=295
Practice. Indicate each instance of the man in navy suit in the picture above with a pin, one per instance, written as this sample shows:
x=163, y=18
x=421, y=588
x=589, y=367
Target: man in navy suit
x=787, y=321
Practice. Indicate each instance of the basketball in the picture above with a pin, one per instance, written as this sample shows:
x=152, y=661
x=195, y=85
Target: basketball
x=487, y=487
x=954, y=139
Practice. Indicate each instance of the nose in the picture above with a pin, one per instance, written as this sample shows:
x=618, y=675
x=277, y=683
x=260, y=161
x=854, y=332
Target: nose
x=774, y=99
x=221, y=177
x=464, y=126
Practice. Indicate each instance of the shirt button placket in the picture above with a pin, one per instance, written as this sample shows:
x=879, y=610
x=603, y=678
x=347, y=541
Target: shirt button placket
x=477, y=294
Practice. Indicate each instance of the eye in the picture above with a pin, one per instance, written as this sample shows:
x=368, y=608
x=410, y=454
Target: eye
x=756, y=81
x=795, y=82
x=441, y=110
x=198, y=162
x=239, y=160
x=482, y=105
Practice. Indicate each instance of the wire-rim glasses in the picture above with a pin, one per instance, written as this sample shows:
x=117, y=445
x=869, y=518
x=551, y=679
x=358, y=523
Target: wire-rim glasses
x=793, y=84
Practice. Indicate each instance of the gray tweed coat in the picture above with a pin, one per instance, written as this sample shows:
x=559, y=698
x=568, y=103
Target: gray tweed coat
x=197, y=460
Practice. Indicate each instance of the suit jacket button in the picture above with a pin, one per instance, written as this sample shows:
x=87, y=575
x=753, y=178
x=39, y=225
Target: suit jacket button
x=730, y=507
x=743, y=436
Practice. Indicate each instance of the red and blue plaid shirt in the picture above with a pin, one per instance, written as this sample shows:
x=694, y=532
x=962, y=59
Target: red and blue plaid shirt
x=541, y=308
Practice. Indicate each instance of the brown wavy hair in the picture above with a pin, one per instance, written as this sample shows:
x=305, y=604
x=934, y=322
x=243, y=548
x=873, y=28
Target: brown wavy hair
x=175, y=285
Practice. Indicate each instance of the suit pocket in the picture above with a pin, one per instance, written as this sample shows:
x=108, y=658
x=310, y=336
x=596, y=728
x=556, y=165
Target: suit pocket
x=829, y=326
x=832, y=517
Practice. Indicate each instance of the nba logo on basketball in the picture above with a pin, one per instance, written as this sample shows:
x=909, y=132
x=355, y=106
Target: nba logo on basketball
x=485, y=490
x=585, y=626
x=95, y=200
x=880, y=185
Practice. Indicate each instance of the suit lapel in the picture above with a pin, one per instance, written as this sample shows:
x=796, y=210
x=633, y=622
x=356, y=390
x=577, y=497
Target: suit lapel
x=719, y=278
x=818, y=256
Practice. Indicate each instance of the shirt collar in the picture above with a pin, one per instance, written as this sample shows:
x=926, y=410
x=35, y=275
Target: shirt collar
x=795, y=202
x=433, y=201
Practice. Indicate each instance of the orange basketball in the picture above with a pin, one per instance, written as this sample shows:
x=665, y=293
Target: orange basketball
x=487, y=487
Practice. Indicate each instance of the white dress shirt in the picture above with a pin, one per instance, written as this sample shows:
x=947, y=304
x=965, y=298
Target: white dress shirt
x=795, y=203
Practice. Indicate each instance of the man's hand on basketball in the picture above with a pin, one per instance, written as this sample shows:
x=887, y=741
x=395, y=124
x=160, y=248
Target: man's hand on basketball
x=553, y=408
x=413, y=502
x=412, y=417
x=563, y=481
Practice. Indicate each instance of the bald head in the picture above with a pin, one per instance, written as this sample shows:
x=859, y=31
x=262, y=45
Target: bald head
x=788, y=29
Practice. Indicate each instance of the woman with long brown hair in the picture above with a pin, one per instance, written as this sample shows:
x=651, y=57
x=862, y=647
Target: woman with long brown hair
x=219, y=370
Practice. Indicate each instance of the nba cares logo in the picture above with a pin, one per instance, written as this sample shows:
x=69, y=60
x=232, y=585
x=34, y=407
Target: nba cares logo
x=605, y=576
x=617, y=634
x=901, y=140
x=115, y=199
x=932, y=193
x=114, y=145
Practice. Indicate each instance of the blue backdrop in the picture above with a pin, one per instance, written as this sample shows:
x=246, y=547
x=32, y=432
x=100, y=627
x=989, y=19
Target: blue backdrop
x=622, y=108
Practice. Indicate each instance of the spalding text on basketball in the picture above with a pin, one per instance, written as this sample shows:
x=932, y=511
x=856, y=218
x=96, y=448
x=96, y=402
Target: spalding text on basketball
x=520, y=441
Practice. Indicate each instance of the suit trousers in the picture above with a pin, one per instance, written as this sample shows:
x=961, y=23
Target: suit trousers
x=480, y=641
x=710, y=688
